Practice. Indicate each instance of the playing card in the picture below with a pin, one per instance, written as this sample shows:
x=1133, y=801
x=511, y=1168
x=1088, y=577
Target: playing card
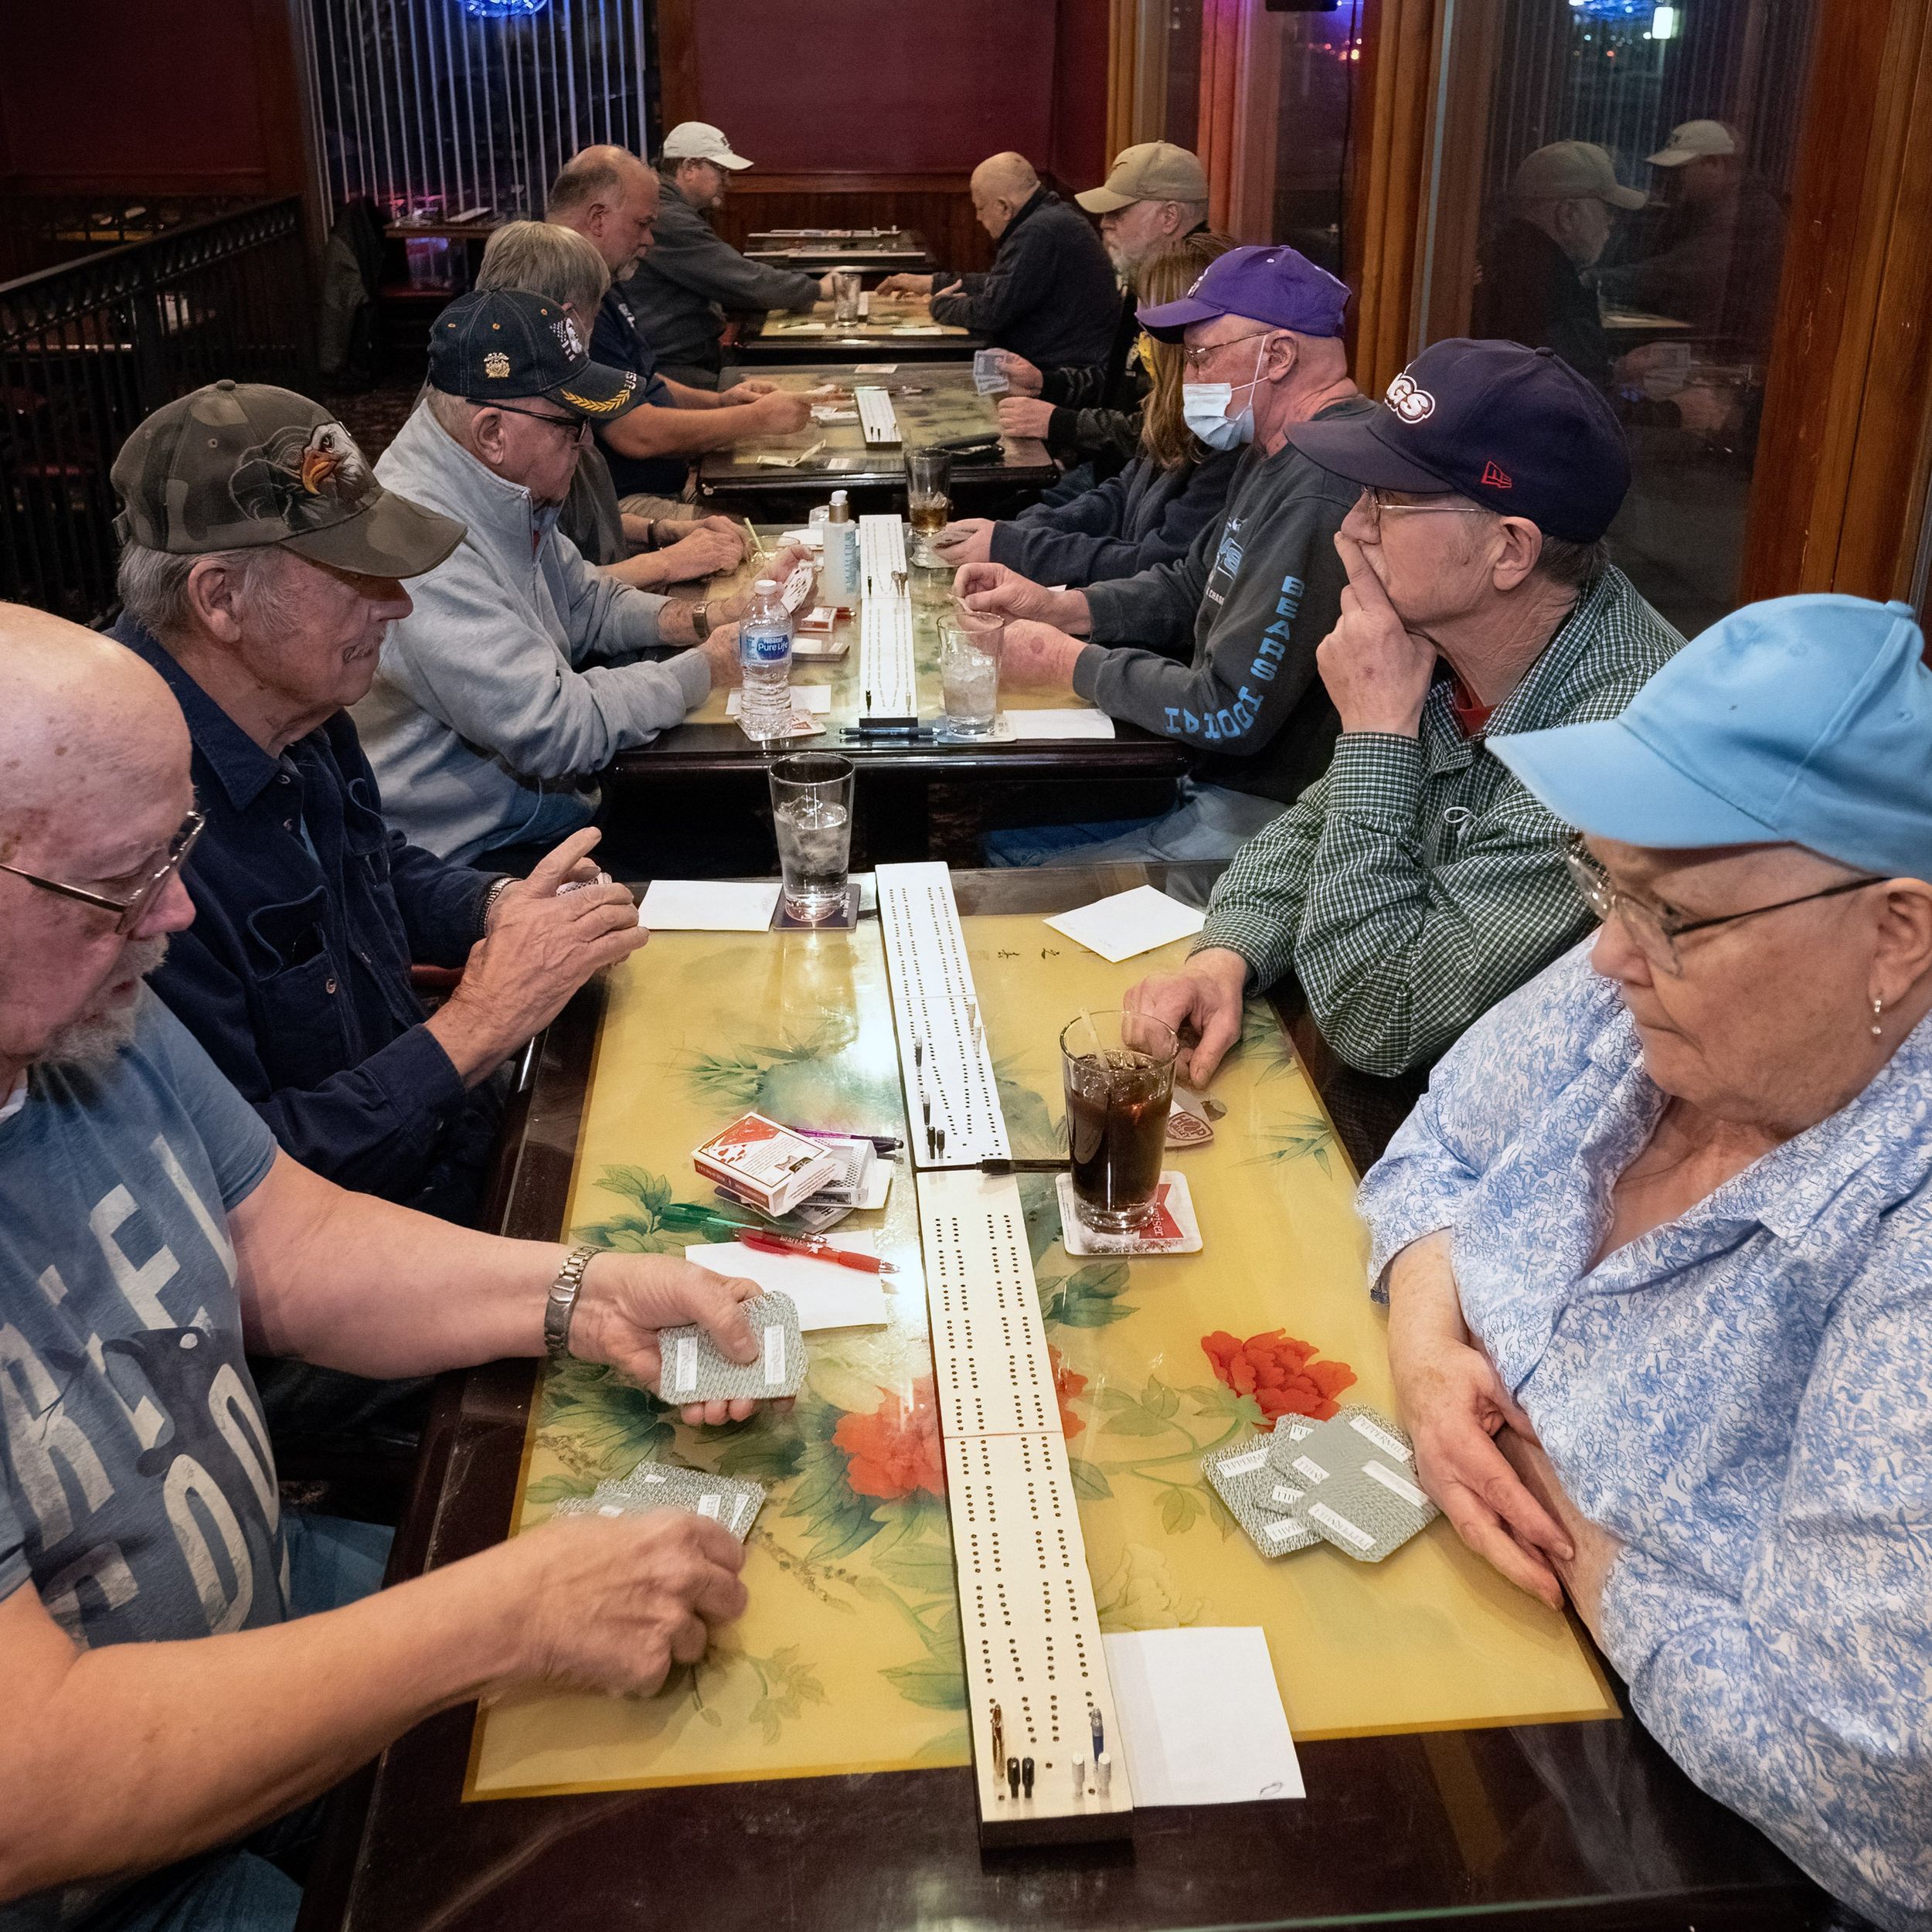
x=726, y=1500
x=1340, y=1445
x=1241, y=1477
x=989, y=372
x=694, y=1370
x=809, y=1217
x=1371, y=1511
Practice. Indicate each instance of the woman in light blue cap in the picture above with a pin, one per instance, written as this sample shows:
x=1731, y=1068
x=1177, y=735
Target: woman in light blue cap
x=1658, y=1241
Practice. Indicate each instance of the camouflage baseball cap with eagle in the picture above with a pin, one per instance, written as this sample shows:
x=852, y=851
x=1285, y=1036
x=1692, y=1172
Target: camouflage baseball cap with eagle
x=236, y=466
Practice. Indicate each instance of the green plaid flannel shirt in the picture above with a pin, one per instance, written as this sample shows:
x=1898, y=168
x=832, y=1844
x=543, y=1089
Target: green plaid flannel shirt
x=1416, y=883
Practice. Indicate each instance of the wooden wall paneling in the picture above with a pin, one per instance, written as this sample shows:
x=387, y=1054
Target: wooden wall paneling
x=1840, y=496
x=678, y=60
x=1182, y=122
x=1451, y=217
x=1388, y=184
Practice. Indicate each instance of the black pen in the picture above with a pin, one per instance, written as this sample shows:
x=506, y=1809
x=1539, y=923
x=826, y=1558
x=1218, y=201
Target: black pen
x=1000, y=1164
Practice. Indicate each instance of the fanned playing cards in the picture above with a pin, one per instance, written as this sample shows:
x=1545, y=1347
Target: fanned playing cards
x=695, y=1370
x=726, y=1500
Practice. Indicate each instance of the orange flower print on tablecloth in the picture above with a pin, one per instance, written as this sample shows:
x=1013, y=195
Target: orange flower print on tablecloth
x=1066, y=1385
x=894, y=1450
x=1280, y=1373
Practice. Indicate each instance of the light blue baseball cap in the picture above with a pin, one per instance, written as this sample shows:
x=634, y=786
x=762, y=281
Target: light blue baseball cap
x=1804, y=720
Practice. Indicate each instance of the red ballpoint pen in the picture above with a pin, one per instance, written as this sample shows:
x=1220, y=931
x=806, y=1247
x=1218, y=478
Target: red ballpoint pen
x=816, y=1250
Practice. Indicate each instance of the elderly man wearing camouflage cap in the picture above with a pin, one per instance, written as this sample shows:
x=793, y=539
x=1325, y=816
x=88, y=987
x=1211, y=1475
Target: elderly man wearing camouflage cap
x=262, y=567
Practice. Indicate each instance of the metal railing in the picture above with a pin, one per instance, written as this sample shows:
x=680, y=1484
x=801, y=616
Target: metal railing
x=44, y=231
x=88, y=348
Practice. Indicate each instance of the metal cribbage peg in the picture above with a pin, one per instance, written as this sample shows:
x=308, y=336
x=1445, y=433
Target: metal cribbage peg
x=1012, y=1776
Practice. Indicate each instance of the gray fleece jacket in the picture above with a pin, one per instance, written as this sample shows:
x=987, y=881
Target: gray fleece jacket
x=515, y=676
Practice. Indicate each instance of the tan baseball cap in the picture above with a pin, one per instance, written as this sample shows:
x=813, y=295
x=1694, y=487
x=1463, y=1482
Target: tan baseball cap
x=238, y=466
x=698, y=140
x=1152, y=171
x=1572, y=170
x=1692, y=141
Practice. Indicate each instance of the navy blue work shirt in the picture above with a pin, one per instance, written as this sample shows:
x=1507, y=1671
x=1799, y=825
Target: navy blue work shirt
x=309, y=911
x=616, y=341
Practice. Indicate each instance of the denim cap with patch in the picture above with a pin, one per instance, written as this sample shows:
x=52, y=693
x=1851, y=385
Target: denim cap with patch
x=1803, y=721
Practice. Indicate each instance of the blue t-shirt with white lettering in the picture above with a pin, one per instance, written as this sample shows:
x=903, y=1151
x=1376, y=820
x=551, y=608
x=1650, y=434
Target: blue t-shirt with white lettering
x=137, y=1484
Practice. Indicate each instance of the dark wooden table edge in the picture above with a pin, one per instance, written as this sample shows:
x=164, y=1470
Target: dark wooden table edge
x=564, y=1054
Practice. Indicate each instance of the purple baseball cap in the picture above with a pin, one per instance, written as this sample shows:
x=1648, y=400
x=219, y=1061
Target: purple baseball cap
x=1278, y=286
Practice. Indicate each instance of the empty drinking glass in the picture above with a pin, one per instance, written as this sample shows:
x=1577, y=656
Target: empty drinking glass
x=970, y=644
x=811, y=813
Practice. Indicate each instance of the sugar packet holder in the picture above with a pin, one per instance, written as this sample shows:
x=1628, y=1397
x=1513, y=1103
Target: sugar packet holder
x=695, y=1369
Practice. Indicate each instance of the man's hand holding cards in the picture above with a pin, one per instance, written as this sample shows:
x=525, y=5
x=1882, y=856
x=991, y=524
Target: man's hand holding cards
x=636, y=1312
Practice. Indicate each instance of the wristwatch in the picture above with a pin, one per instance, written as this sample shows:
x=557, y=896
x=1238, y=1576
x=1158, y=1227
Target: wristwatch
x=561, y=1303
x=701, y=620
x=486, y=909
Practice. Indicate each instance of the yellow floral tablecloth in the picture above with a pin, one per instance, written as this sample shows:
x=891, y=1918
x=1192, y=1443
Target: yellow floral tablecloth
x=847, y=1659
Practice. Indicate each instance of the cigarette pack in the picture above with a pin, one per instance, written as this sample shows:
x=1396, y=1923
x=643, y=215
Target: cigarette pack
x=765, y=1164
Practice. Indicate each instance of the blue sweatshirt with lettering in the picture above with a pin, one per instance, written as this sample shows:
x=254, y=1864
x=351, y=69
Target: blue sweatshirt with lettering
x=1217, y=648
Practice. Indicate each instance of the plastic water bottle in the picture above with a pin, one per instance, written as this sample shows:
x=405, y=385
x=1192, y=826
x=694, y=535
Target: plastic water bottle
x=764, y=656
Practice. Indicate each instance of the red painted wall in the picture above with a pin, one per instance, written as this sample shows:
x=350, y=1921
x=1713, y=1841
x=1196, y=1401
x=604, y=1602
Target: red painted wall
x=1079, y=155
x=129, y=93
x=852, y=86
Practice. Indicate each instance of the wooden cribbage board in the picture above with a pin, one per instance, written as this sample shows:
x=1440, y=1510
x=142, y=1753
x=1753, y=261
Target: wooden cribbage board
x=1028, y=1625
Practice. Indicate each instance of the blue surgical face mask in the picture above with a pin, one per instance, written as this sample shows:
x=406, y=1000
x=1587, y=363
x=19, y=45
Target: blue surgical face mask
x=1204, y=407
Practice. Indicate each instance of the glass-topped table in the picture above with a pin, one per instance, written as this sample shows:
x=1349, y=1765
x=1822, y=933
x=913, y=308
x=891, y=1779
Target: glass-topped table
x=897, y=326
x=1467, y=1758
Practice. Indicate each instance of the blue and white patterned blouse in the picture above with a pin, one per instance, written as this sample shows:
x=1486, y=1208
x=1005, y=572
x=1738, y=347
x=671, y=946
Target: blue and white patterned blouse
x=1744, y=1395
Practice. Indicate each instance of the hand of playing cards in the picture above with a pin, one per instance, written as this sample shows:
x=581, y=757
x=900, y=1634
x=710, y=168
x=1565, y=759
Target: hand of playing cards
x=731, y=1503
x=1350, y=1480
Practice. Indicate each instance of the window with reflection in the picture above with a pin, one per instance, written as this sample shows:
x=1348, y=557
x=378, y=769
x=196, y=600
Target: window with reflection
x=1614, y=184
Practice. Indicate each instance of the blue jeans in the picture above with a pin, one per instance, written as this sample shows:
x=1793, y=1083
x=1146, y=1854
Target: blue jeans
x=1208, y=822
x=331, y=1562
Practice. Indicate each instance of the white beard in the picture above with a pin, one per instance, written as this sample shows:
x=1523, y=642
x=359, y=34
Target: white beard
x=94, y=1038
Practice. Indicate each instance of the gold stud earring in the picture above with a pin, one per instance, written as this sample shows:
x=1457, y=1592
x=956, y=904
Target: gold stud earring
x=1878, y=1012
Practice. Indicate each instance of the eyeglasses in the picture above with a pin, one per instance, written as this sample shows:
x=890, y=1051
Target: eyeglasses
x=1380, y=504
x=578, y=426
x=1656, y=932
x=1194, y=358
x=127, y=912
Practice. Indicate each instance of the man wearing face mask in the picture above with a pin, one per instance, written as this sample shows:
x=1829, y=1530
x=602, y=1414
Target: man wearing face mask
x=1254, y=596
x=519, y=671
x=1529, y=284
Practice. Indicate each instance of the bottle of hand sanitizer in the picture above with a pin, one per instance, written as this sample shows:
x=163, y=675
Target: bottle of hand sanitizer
x=838, y=567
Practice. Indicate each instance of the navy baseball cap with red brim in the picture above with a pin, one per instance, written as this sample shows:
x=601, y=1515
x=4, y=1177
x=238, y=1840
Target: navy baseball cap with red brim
x=1278, y=286
x=1515, y=430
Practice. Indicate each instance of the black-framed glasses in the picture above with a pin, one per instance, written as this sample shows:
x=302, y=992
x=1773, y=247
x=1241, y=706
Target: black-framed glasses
x=578, y=426
x=127, y=912
x=1657, y=932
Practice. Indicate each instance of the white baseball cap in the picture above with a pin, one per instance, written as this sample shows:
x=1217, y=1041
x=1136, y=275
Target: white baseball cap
x=1692, y=141
x=698, y=140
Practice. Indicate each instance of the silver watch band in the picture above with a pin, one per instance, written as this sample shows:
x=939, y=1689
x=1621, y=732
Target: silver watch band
x=701, y=621
x=561, y=1302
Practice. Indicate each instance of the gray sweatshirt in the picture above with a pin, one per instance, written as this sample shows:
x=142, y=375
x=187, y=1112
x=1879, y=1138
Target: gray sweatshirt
x=1260, y=589
x=515, y=676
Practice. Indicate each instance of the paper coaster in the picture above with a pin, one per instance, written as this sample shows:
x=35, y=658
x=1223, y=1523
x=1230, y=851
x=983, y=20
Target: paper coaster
x=839, y=922
x=803, y=725
x=1185, y=1129
x=1173, y=1230
x=1001, y=734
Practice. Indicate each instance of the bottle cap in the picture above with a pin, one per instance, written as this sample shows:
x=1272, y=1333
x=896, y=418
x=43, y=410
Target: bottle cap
x=766, y=583
x=839, y=512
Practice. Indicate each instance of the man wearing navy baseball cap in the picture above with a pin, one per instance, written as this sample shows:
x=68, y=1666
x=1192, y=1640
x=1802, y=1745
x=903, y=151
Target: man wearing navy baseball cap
x=1418, y=882
x=1657, y=1243
x=1217, y=649
x=518, y=671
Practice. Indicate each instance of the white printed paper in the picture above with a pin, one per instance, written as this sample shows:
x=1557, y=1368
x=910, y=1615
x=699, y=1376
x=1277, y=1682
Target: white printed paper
x=708, y=906
x=1201, y=1716
x=1130, y=922
x=828, y=1296
x=1080, y=722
